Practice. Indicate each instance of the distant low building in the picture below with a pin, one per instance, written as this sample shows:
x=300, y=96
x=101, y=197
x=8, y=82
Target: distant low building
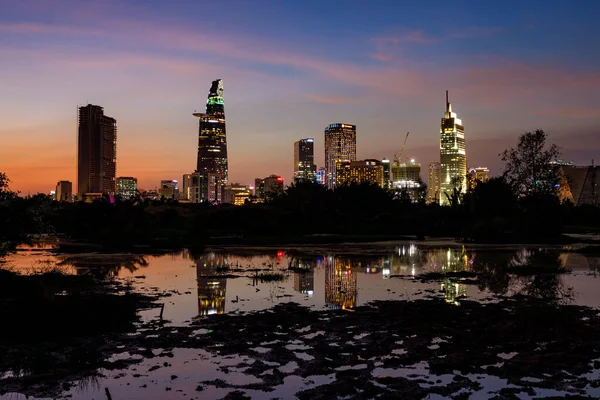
x=169, y=189
x=270, y=186
x=126, y=187
x=406, y=175
x=64, y=191
x=476, y=175
x=236, y=194
x=321, y=176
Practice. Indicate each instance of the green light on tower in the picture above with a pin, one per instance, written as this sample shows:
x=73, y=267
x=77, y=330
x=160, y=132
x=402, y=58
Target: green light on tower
x=215, y=100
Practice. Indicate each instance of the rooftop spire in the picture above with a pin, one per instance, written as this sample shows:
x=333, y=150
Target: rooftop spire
x=448, y=106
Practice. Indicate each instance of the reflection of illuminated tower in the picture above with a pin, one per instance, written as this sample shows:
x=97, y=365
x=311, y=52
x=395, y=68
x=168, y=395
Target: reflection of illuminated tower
x=304, y=282
x=211, y=289
x=340, y=284
x=453, y=291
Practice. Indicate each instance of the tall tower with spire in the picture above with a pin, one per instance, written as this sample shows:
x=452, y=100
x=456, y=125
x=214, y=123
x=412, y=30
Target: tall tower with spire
x=453, y=158
x=212, y=164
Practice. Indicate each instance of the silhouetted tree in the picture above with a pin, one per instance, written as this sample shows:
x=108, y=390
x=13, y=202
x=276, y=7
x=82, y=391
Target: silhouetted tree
x=528, y=167
x=455, y=198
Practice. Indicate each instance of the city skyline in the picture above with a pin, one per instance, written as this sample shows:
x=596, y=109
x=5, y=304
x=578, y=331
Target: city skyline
x=510, y=69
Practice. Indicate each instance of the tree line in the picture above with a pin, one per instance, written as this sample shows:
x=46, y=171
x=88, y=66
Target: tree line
x=521, y=205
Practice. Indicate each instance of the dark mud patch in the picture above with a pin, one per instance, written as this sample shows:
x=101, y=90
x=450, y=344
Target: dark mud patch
x=374, y=351
x=57, y=328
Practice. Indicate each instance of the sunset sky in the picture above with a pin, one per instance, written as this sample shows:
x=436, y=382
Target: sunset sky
x=289, y=69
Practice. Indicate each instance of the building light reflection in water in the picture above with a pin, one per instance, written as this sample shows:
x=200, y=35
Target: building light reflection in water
x=211, y=288
x=408, y=260
x=340, y=284
x=304, y=282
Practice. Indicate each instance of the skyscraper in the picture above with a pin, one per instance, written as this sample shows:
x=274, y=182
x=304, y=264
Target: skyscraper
x=97, y=151
x=212, y=139
x=433, y=185
x=304, y=160
x=453, y=158
x=340, y=145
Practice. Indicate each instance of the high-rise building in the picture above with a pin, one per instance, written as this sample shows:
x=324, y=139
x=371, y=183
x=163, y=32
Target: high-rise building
x=433, y=185
x=359, y=171
x=453, y=158
x=169, y=189
x=64, y=191
x=270, y=186
x=212, y=141
x=97, y=151
x=304, y=160
x=386, y=172
x=476, y=175
x=340, y=145
x=126, y=187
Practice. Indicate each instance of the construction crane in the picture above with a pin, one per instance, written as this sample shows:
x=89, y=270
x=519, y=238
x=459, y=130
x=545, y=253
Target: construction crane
x=398, y=159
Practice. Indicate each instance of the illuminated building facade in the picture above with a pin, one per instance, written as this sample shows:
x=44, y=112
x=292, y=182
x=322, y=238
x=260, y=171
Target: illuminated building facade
x=340, y=145
x=321, y=176
x=64, y=191
x=476, y=175
x=406, y=175
x=212, y=142
x=169, y=189
x=582, y=183
x=236, y=194
x=386, y=173
x=304, y=160
x=186, y=184
x=340, y=284
x=453, y=157
x=304, y=282
x=348, y=172
x=126, y=187
x=212, y=289
x=433, y=184
x=97, y=151
x=268, y=187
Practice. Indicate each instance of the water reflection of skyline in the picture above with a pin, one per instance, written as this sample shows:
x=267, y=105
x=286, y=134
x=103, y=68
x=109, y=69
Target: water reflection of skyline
x=334, y=279
x=212, y=288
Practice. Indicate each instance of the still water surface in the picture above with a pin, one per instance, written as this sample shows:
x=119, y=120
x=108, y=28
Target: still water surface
x=227, y=281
